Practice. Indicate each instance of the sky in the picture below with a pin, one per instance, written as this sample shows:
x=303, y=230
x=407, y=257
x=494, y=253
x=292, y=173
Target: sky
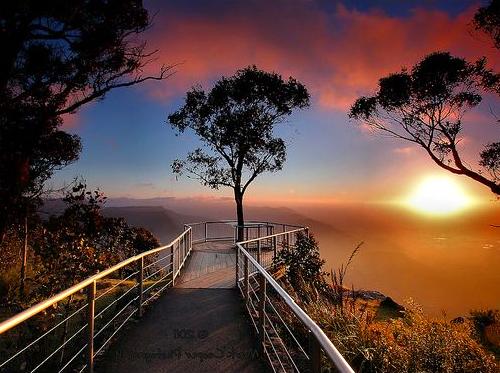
x=337, y=49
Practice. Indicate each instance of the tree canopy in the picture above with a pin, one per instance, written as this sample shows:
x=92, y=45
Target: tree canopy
x=235, y=121
x=426, y=106
x=56, y=57
x=487, y=19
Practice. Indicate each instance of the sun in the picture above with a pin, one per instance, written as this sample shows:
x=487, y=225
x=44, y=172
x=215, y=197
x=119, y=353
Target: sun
x=438, y=196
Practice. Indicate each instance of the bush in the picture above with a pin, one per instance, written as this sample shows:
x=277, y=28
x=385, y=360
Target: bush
x=302, y=261
x=413, y=343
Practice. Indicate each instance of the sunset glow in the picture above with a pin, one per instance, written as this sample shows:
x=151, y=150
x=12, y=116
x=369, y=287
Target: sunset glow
x=438, y=196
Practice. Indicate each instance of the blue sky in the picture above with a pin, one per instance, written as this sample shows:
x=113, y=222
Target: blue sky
x=338, y=50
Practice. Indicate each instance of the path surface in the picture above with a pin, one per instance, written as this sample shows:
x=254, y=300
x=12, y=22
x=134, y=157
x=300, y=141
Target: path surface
x=198, y=326
x=210, y=265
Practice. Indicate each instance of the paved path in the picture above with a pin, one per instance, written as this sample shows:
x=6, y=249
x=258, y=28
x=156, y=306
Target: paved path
x=199, y=329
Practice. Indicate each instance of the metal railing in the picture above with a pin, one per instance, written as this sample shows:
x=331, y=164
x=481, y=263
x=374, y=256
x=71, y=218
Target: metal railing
x=290, y=339
x=93, y=313
x=98, y=307
x=226, y=230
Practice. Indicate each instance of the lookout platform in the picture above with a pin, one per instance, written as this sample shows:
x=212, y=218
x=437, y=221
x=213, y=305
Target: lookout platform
x=199, y=325
x=201, y=303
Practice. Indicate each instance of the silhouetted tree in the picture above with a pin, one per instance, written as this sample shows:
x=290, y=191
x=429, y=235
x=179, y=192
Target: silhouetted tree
x=426, y=106
x=302, y=261
x=235, y=121
x=57, y=56
x=487, y=19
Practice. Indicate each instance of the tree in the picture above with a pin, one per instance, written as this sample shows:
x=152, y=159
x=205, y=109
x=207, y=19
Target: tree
x=82, y=241
x=56, y=57
x=235, y=122
x=487, y=19
x=426, y=106
x=302, y=261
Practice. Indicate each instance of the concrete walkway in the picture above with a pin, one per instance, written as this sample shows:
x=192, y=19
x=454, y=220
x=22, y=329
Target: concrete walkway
x=189, y=330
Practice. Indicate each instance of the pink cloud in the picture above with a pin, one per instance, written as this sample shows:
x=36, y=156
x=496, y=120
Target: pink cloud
x=406, y=150
x=338, y=56
x=70, y=121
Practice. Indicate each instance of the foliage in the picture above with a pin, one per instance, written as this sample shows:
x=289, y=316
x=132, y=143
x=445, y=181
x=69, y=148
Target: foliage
x=235, y=122
x=338, y=276
x=490, y=160
x=426, y=106
x=81, y=241
x=412, y=343
x=487, y=19
x=302, y=261
x=56, y=57
x=484, y=318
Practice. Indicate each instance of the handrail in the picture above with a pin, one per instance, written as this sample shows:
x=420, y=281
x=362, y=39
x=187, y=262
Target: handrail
x=181, y=248
x=271, y=236
x=39, y=307
x=247, y=222
x=327, y=345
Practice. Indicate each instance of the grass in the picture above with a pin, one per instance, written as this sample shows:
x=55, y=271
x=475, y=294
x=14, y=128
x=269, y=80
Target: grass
x=382, y=336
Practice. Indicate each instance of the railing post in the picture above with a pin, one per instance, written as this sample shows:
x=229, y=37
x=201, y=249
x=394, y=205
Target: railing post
x=258, y=231
x=90, y=323
x=172, y=258
x=206, y=231
x=247, y=282
x=275, y=246
x=262, y=310
x=314, y=353
x=258, y=252
x=237, y=265
x=140, y=280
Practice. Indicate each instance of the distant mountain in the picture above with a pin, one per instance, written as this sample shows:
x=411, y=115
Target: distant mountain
x=165, y=217
x=224, y=209
x=164, y=224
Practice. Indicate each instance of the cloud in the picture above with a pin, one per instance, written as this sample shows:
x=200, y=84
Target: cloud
x=339, y=54
x=70, y=121
x=406, y=150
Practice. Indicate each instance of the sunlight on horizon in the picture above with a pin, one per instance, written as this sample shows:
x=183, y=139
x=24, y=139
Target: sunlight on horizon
x=439, y=196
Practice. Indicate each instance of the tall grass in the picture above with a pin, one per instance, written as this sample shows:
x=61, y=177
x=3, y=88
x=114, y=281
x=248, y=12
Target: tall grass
x=411, y=342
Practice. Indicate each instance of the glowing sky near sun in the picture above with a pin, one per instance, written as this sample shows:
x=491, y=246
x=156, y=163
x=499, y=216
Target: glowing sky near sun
x=338, y=49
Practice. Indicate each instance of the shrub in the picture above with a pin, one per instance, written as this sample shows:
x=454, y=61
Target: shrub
x=302, y=261
x=413, y=343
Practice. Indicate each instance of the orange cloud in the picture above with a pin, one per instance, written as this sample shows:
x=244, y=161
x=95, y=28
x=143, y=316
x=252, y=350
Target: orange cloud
x=339, y=56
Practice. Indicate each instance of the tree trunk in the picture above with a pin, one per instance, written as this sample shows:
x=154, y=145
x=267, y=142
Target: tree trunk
x=238, y=197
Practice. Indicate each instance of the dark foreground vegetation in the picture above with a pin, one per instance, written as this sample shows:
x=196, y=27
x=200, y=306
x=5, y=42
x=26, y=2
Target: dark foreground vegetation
x=378, y=335
x=60, y=251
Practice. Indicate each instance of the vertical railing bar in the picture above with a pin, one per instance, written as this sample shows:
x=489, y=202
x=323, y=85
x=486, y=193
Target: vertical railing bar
x=262, y=309
x=315, y=353
x=91, y=290
x=247, y=284
x=140, y=280
x=172, y=257
x=258, y=252
x=237, y=265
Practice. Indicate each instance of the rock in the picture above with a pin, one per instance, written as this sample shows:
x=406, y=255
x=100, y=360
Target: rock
x=390, y=304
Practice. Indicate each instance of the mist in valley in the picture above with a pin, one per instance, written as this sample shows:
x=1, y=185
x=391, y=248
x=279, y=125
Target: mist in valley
x=446, y=264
